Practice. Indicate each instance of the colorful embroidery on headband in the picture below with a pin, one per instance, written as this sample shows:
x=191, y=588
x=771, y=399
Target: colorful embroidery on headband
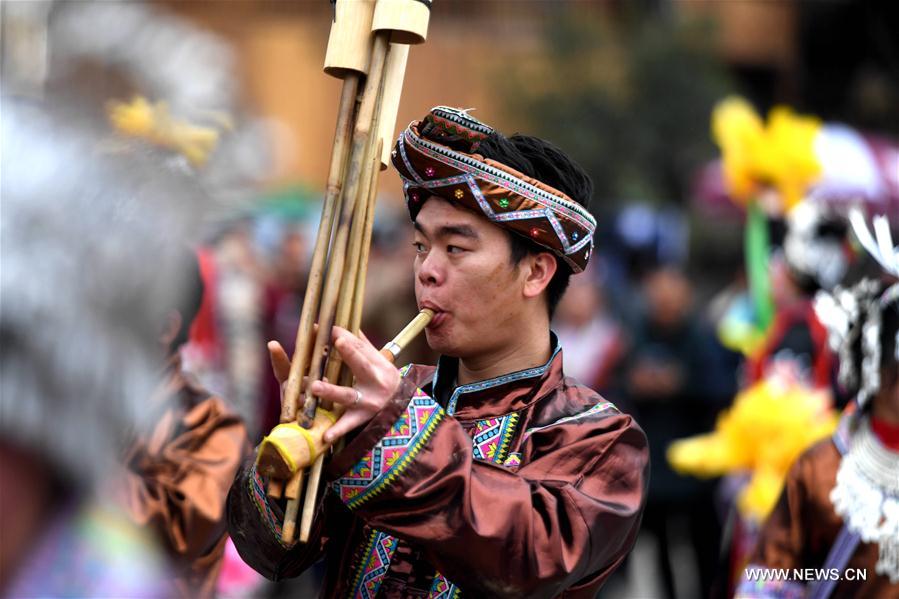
x=498, y=177
x=599, y=408
x=443, y=589
x=550, y=207
x=257, y=496
x=391, y=454
x=373, y=565
x=492, y=437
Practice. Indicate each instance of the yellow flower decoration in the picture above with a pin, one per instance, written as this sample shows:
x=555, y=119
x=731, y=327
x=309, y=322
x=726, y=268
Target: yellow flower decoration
x=779, y=154
x=763, y=433
x=740, y=133
x=153, y=122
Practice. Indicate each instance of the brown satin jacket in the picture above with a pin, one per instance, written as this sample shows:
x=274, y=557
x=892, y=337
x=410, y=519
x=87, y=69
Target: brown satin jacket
x=526, y=485
x=178, y=476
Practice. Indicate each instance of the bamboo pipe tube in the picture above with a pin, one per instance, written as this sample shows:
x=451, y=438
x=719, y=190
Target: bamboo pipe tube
x=352, y=296
x=357, y=164
x=407, y=20
x=303, y=344
x=349, y=42
x=320, y=253
x=390, y=103
x=358, y=153
x=349, y=286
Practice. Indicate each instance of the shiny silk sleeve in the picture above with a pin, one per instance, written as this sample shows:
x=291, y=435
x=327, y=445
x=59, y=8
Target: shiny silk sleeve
x=254, y=522
x=566, y=517
x=178, y=478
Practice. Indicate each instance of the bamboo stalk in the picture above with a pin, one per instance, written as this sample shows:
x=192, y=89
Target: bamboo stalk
x=351, y=295
x=343, y=130
x=358, y=161
x=320, y=253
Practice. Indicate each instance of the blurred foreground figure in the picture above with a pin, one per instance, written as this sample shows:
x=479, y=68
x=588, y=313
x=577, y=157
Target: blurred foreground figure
x=179, y=473
x=493, y=474
x=839, y=510
x=88, y=264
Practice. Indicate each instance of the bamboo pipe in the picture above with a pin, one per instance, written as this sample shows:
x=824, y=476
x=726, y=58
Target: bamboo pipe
x=407, y=20
x=351, y=296
x=358, y=153
x=349, y=41
x=303, y=344
x=390, y=103
x=357, y=164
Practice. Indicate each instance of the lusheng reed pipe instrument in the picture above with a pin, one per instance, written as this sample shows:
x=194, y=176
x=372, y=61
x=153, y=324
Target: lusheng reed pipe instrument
x=366, y=49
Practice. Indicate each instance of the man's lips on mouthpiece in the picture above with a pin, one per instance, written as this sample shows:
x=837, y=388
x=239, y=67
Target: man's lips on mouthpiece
x=439, y=315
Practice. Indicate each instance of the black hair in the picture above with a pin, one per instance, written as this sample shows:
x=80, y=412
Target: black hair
x=190, y=297
x=541, y=160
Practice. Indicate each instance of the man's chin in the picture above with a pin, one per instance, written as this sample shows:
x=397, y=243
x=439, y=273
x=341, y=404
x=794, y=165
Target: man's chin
x=441, y=344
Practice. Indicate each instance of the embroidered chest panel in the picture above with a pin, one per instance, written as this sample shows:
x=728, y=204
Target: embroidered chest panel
x=491, y=439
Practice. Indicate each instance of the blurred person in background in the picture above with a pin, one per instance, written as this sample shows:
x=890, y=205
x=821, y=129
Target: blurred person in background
x=838, y=512
x=675, y=381
x=178, y=473
x=815, y=256
x=285, y=284
x=594, y=341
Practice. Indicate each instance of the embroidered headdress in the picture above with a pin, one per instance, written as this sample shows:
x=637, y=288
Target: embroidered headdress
x=505, y=196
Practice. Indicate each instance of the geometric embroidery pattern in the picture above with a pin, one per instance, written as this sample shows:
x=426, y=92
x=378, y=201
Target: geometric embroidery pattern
x=492, y=436
x=382, y=464
x=257, y=495
x=443, y=589
x=374, y=565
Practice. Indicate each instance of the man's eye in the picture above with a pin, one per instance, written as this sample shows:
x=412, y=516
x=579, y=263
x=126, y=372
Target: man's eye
x=454, y=249
x=419, y=247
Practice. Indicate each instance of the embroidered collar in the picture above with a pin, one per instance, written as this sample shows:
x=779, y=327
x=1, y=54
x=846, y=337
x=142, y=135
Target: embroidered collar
x=499, y=395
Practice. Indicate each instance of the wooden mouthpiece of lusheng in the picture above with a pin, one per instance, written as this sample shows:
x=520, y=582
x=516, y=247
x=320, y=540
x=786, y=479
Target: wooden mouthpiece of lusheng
x=407, y=20
x=395, y=71
x=409, y=332
x=349, y=44
x=290, y=447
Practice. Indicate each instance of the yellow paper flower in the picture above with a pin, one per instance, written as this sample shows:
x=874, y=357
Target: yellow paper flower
x=739, y=132
x=763, y=433
x=779, y=154
x=152, y=122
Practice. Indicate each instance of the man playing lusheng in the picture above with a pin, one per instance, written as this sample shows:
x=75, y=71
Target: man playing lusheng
x=492, y=474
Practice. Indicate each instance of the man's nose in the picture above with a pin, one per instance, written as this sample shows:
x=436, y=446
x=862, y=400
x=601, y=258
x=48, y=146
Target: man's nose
x=431, y=270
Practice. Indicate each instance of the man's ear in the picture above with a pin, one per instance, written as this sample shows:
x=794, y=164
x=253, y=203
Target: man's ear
x=541, y=268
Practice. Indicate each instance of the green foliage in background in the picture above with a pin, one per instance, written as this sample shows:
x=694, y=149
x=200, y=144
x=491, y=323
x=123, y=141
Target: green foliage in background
x=629, y=97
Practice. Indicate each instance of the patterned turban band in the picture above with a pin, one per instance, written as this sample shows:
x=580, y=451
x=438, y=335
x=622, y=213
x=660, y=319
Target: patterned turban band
x=503, y=195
